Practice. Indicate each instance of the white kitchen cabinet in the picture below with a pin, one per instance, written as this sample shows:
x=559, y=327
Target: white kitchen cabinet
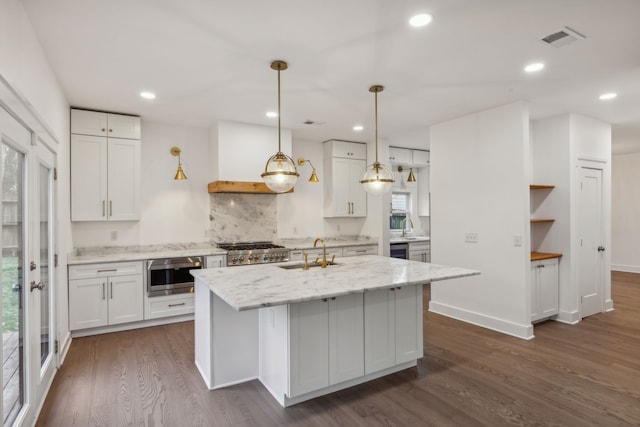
x=400, y=156
x=326, y=343
x=420, y=251
x=105, y=177
x=360, y=250
x=420, y=158
x=544, y=289
x=168, y=305
x=392, y=327
x=105, y=294
x=216, y=261
x=97, y=123
x=344, y=162
x=298, y=254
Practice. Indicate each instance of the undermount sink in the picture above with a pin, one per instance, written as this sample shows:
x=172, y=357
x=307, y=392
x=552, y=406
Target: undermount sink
x=301, y=266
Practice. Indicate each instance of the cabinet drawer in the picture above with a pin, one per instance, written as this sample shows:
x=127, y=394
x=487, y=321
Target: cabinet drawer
x=351, y=150
x=420, y=246
x=360, y=250
x=298, y=255
x=172, y=305
x=105, y=269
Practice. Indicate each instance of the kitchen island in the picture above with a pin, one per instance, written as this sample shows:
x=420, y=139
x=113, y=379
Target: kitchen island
x=305, y=333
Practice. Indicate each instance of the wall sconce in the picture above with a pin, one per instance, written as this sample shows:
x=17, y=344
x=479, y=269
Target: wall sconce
x=314, y=177
x=411, y=177
x=175, y=151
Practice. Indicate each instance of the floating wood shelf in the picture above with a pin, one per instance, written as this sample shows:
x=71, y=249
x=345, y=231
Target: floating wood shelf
x=537, y=256
x=540, y=187
x=240, y=187
x=536, y=221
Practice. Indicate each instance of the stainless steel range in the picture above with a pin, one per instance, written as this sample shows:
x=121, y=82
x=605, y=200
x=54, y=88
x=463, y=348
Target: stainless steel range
x=247, y=253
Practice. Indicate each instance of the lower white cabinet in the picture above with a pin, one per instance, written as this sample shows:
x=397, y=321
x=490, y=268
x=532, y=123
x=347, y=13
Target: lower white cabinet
x=216, y=261
x=420, y=251
x=168, y=305
x=360, y=250
x=392, y=327
x=326, y=343
x=105, y=294
x=544, y=289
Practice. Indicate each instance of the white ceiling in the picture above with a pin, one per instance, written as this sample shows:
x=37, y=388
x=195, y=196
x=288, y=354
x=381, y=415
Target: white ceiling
x=210, y=59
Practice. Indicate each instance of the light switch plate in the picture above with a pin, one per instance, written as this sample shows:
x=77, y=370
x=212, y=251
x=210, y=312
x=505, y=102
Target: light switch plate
x=471, y=237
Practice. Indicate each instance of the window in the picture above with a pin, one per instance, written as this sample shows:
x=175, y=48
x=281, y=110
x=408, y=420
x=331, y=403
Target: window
x=400, y=207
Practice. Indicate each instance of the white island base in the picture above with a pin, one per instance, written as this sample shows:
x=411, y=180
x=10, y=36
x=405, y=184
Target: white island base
x=306, y=333
x=304, y=350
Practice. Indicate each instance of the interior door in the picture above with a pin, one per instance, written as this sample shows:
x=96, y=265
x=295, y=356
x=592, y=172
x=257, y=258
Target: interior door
x=590, y=243
x=27, y=270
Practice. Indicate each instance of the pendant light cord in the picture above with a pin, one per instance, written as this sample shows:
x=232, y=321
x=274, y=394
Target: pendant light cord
x=279, y=148
x=376, y=114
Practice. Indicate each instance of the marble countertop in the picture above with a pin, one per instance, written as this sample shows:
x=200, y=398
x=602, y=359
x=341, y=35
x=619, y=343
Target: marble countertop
x=251, y=287
x=95, y=255
x=121, y=254
x=409, y=239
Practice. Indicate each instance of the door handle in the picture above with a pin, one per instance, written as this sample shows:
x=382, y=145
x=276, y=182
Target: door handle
x=600, y=248
x=34, y=285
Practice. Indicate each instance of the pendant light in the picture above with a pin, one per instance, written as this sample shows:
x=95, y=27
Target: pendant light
x=377, y=178
x=280, y=172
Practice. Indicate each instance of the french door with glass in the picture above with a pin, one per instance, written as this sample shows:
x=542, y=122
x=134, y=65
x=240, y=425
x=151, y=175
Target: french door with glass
x=28, y=332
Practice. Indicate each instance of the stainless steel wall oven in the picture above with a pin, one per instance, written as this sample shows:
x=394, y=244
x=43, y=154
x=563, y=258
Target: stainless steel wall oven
x=169, y=276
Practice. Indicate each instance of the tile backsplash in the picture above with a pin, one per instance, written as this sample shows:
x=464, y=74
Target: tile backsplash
x=235, y=217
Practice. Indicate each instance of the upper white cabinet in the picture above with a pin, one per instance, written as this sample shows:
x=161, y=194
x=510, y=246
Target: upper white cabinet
x=105, y=170
x=420, y=158
x=97, y=123
x=400, y=156
x=344, y=163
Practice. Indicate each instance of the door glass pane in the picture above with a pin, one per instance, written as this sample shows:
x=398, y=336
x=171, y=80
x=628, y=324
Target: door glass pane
x=12, y=176
x=45, y=345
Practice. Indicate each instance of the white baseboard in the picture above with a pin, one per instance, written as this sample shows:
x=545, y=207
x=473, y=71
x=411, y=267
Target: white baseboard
x=129, y=326
x=568, y=317
x=625, y=268
x=608, y=305
x=479, y=319
x=63, y=348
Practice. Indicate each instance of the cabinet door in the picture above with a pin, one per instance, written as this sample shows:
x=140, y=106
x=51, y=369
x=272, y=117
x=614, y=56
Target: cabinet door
x=357, y=195
x=408, y=323
x=400, y=156
x=420, y=157
x=337, y=197
x=125, y=299
x=346, y=338
x=85, y=122
x=379, y=330
x=416, y=256
x=348, y=150
x=122, y=126
x=423, y=191
x=308, y=346
x=548, y=288
x=87, y=303
x=88, y=178
x=535, y=292
x=124, y=179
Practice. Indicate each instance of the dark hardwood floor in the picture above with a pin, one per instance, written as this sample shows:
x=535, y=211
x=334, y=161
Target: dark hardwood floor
x=569, y=375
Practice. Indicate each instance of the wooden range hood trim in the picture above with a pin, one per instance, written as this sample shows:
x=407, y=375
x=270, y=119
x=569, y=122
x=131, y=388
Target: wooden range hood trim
x=241, y=187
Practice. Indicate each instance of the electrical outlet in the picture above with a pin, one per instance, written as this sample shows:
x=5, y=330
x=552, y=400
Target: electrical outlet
x=114, y=235
x=517, y=240
x=471, y=237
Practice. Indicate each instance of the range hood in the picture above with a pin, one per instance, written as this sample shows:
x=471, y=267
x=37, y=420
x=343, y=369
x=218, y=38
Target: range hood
x=240, y=187
x=238, y=152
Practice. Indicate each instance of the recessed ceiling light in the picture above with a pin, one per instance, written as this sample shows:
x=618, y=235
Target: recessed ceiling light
x=272, y=114
x=148, y=95
x=607, y=96
x=532, y=68
x=358, y=128
x=420, y=20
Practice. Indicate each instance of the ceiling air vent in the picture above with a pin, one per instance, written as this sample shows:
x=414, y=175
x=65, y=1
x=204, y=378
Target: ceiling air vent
x=563, y=37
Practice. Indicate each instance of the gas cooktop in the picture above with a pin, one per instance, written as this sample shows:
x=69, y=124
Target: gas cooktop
x=248, y=253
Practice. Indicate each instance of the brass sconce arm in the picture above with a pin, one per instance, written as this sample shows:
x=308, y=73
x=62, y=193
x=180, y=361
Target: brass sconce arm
x=314, y=176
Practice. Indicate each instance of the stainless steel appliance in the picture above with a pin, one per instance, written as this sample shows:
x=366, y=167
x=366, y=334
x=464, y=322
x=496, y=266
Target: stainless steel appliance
x=399, y=250
x=247, y=253
x=169, y=276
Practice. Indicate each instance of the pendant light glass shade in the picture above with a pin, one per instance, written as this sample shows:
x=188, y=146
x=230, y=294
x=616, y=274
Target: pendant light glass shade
x=280, y=173
x=377, y=178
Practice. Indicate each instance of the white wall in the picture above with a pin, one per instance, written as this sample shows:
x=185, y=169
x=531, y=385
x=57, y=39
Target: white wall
x=479, y=184
x=625, y=208
x=172, y=211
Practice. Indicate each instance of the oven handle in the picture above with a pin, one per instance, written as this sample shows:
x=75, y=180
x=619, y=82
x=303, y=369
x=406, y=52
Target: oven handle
x=163, y=266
